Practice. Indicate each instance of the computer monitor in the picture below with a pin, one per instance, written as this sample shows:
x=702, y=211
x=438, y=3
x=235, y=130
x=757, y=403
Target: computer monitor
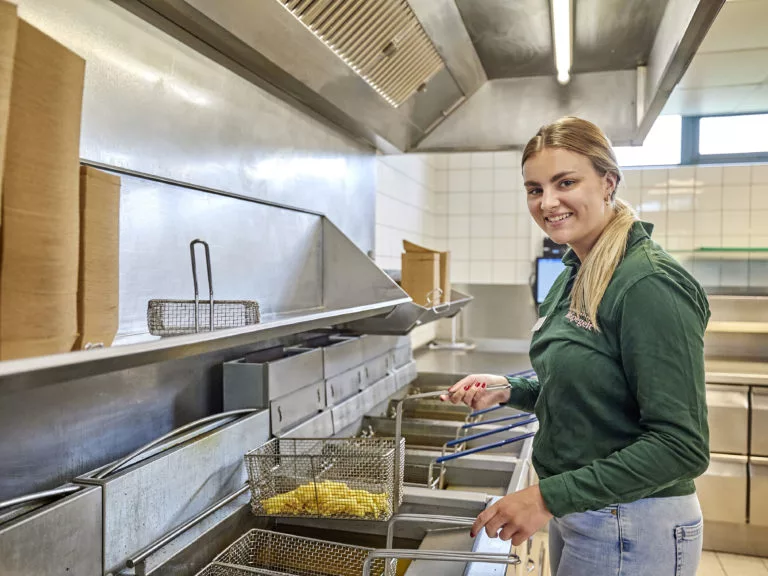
x=547, y=271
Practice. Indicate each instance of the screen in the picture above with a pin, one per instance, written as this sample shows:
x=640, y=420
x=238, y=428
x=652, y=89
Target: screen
x=547, y=271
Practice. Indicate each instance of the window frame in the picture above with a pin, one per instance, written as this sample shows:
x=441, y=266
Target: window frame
x=689, y=144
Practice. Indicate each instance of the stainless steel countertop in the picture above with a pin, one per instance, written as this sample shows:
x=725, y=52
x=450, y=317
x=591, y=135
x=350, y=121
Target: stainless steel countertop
x=718, y=370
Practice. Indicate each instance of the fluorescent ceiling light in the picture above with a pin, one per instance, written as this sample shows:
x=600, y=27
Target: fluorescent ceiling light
x=561, y=36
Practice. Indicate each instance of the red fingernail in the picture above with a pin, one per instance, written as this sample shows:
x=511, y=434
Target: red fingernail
x=483, y=384
x=477, y=385
x=472, y=534
x=467, y=386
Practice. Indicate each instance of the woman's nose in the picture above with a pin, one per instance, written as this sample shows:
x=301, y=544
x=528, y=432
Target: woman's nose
x=549, y=200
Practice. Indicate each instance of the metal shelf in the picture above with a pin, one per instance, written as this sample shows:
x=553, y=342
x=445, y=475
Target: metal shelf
x=408, y=315
x=354, y=288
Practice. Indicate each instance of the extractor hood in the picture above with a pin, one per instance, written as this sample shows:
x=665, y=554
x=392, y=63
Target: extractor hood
x=423, y=75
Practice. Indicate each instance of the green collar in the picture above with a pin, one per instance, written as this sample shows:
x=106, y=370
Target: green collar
x=639, y=231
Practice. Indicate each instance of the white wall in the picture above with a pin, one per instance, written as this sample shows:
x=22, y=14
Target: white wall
x=405, y=209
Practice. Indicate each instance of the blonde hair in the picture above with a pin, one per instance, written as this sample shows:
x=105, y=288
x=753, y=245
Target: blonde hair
x=583, y=137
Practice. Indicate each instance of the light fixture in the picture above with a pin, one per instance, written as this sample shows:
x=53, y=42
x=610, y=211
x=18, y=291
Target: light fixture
x=561, y=37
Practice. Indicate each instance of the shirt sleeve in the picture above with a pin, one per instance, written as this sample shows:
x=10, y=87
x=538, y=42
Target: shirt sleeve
x=523, y=393
x=661, y=334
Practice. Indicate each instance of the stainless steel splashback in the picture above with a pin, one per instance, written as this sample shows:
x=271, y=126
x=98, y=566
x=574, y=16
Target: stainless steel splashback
x=154, y=105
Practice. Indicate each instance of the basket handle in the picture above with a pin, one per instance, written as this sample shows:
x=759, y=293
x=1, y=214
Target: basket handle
x=39, y=496
x=123, y=461
x=463, y=439
x=424, y=519
x=440, y=556
x=194, y=279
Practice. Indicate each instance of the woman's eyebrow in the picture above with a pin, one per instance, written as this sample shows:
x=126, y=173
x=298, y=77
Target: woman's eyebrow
x=554, y=178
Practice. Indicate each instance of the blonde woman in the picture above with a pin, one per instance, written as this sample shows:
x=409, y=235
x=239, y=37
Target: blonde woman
x=618, y=351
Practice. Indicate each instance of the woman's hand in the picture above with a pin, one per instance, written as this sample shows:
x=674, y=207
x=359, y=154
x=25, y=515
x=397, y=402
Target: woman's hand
x=471, y=390
x=518, y=515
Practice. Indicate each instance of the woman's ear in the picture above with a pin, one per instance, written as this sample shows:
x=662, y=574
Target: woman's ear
x=610, y=182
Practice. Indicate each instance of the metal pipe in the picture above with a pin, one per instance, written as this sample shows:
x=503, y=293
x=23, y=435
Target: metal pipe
x=483, y=448
x=155, y=546
x=26, y=499
x=496, y=420
x=490, y=432
x=231, y=415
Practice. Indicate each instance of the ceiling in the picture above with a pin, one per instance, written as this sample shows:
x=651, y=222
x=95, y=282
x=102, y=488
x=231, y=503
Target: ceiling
x=729, y=73
x=514, y=39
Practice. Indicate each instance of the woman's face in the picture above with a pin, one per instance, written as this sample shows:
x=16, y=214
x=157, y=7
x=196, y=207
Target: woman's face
x=568, y=198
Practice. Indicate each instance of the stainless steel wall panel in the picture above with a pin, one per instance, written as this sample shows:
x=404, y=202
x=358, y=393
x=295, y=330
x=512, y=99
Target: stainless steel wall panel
x=377, y=368
x=374, y=346
x=341, y=356
x=402, y=356
x=154, y=105
x=759, y=422
x=297, y=406
x=758, y=491
x=147, y=500
x=60, y=538
x=508, y=112
x=344, y=385
x=253, y=381
x=722, y=489
x=258, y=252
x=728, y=408
x=321, y=426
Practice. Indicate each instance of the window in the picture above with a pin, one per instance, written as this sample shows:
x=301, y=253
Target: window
x=745, y=134
x=661, y=146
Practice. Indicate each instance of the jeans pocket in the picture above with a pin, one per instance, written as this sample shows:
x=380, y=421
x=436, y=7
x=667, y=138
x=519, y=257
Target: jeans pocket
x=689, y=538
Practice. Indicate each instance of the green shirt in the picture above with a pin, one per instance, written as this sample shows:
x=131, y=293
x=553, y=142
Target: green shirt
x=622, y=411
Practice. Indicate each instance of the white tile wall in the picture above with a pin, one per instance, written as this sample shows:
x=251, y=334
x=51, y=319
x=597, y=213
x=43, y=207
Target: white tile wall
x=706, y=206
x=489, y=231
x=474, y=205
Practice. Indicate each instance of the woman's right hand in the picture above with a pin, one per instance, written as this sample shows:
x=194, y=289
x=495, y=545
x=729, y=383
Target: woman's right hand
x=472, y=391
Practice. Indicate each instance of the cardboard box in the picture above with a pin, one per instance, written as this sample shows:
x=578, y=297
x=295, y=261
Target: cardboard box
x=445, y=267
x=41, y=199
x=8, y=27
x=98, y=286
x=421, y=276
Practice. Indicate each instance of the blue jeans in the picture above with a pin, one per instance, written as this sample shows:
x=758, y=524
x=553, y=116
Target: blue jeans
x=650, y=537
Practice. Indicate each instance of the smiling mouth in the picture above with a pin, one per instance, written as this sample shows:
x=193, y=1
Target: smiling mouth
x=558, y=218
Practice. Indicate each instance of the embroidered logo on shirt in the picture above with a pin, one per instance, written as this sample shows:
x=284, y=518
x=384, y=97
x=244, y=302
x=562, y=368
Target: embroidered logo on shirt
x=579, y=320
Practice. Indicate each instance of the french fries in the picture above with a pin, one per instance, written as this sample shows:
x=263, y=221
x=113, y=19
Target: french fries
x=328, y=499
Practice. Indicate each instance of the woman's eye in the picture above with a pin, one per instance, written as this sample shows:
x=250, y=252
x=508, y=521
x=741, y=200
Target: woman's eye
x=534, y=191
x=567, y=183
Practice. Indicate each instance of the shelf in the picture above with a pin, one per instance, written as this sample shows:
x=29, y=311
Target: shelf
x=712, y=253
x=407, y=316
x=738, y=327
x=354, y=288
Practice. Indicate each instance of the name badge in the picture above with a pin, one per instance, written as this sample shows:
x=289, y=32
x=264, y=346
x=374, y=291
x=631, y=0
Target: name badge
x=539, y=324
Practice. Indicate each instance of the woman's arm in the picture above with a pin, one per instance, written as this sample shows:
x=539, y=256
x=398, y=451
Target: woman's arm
x=524, y=393
x=661, y=331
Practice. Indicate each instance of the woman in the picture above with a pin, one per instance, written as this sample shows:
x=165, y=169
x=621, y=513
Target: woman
x=619, y=355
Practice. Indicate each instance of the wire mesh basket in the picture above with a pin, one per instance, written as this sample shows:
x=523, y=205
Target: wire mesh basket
x=177, y=317
x=273, y=553
x=349, y=478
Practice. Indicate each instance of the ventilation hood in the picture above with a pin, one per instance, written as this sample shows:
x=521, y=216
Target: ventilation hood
x=427, y=75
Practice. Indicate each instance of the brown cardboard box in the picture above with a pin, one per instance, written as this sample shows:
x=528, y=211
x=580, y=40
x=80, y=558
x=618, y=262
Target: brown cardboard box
x=445, y=267
x=8, y=26
x=40, y=202
x=98, y=297
x=421, y=276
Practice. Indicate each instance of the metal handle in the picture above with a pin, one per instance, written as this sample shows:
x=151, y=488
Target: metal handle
x=37, y=496
x=424, y=519
x=123, y=461
x=496, y=420
x=438, y=555
x=485, y=447
x=319, y=396
x=333, y=393
x=194, y=279
x=367, y=374
x=464, y=439
x=399, y=432
x=172, y=535
x=279, y=414
x=360, y=377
